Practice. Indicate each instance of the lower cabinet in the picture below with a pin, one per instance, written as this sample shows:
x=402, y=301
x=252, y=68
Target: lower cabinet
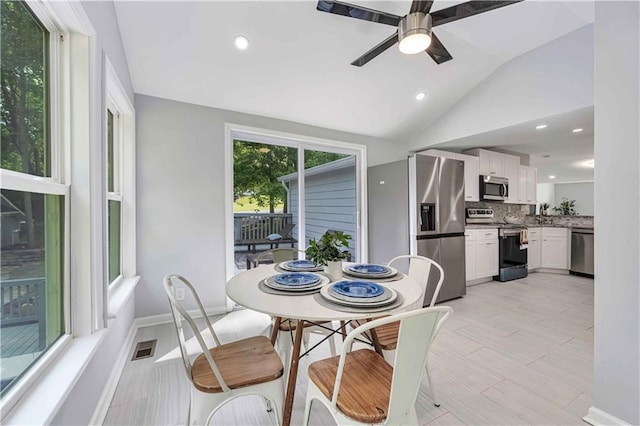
x=481, y=250
x=555, y=248
x=534, y=251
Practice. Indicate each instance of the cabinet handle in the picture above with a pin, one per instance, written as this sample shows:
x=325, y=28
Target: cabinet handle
x=468, y=196
x=488, y=234
x=492, y=173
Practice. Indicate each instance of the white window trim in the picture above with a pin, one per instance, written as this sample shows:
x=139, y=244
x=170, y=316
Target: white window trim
x=238, y=131
x=117, y=101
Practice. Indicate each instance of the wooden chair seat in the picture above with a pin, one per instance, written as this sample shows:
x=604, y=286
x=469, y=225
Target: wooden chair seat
x=366, y=384
x=386, y=334
x=242, y=363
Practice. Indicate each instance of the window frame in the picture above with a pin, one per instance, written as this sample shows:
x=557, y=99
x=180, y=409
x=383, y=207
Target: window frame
x=55, y=184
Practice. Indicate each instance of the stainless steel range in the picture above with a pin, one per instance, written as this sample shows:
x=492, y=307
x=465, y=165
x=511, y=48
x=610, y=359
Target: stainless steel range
x=512, y=243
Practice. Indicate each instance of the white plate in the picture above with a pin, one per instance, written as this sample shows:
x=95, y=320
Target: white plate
x=324, y=292
x=390, y=274
x=283, y=266
x=269, y=282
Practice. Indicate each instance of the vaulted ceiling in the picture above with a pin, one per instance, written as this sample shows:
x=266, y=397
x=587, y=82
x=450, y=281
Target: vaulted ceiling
x=297, y=66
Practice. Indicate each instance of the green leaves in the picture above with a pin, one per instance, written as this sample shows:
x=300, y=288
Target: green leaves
x=566, y=207
x=328, y=249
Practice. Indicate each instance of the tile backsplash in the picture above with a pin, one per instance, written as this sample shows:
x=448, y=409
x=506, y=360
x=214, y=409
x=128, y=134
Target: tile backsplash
x=500, y=210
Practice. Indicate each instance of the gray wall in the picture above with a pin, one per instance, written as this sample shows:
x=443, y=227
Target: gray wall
x=330, y=204
x=581, y=192
x=616, y=380
x=180, y=193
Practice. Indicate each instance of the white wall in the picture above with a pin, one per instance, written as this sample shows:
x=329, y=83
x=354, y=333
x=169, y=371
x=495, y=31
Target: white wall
x=616, y=384
x=180, y=193
x=545, y=193
x=581, y=192
x=555, y=78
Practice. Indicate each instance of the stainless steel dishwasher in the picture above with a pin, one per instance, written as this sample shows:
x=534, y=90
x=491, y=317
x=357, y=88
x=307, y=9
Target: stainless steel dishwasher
x=582, y=251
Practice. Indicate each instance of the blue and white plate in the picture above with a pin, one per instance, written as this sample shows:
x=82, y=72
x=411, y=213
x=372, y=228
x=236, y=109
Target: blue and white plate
x=296, y=279
x=387, y=298
x=301, y=265
x=370, y=270
x=359, y=289
x=319, y=281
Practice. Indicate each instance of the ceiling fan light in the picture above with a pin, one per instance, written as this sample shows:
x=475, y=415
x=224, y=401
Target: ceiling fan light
x=414, y=33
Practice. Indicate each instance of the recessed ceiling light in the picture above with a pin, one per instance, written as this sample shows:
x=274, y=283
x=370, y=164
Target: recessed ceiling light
x=541, y=126
x=420, y=96
x=241, y=42
x=552, y=177
x=577, y=130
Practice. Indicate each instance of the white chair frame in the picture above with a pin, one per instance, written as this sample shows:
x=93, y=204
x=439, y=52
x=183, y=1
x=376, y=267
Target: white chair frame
x=417, y=329
x=203, y=405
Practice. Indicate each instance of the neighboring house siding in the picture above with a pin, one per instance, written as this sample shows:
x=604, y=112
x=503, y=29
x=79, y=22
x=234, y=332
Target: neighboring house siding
x=330, y=204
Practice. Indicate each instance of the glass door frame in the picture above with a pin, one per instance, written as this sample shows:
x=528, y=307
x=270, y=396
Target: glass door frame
x=302, y=143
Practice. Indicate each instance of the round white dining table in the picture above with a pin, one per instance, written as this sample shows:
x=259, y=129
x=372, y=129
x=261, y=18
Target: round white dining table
x=244, y=290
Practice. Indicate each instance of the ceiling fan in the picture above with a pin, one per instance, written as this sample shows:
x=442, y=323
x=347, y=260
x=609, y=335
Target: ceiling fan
x=414, y=29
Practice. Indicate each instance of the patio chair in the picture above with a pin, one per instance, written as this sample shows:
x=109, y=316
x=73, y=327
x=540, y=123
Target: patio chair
x=387, y=335
x=360, y=387
x=226, y=371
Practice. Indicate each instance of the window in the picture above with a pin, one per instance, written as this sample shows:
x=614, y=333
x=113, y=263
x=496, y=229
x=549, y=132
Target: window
x=33, y=197
x=114, y=196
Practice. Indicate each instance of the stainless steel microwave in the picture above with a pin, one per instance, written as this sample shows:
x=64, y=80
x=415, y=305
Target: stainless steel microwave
x=493, y=188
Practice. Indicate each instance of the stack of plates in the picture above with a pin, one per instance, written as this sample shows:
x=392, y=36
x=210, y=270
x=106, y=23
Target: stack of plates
x=360, y=294
x=300, y=266
x=369, y=270
x=296, y=281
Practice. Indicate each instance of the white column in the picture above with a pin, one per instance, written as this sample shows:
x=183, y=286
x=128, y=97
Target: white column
x=616, y=388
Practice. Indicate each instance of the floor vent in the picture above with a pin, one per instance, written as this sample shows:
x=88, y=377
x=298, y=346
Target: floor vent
x=144, y=349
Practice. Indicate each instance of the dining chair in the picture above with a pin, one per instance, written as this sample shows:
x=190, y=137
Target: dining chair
x=360, y=387
x=219, y=374
x=387, y=335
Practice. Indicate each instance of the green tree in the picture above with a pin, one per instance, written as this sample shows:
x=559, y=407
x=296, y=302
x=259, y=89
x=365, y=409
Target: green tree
x=23, y=98
x=257, y=167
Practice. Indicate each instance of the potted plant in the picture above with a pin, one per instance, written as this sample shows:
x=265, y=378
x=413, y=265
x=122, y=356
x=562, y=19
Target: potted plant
x=566, y=207
x=329, y=252
x=544, y=208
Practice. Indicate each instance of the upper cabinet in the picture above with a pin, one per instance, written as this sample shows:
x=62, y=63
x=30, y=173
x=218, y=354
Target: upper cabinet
x=471, y=182
x=490, y=162
x=527, y=189
x=512, y=172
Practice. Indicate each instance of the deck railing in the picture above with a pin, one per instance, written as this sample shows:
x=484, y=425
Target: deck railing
x=22, y=301
x=256, y=226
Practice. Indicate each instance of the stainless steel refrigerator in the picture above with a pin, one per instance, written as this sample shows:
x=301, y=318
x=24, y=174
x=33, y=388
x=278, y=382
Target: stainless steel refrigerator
x=416, y=206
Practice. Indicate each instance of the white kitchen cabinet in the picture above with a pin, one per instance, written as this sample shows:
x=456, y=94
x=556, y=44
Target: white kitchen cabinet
x=471, y=181
x=512, y=173
x=481, y=251
x=490, y=162
x=532, y=185
x=534, y=251
x=555, y=248
x=527, y=189
x=470, y=259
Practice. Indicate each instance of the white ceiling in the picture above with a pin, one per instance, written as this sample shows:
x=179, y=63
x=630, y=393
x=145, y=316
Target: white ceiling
x=567, y=151
x=298, y=68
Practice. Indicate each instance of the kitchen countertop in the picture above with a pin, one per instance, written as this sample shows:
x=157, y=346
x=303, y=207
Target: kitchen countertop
x=530, y=225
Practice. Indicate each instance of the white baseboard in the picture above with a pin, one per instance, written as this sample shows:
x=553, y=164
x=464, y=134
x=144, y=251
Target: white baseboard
x=597, y=417
x=110, y=387
x=167, y=318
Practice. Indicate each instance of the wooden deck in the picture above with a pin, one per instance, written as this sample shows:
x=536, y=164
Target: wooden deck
x=18, y=340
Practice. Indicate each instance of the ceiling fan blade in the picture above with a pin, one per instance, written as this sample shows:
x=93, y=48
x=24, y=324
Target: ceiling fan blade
x=464, y=10
x=437, y=51
x=423, y=6
x=358, y=12
x=393, y=39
